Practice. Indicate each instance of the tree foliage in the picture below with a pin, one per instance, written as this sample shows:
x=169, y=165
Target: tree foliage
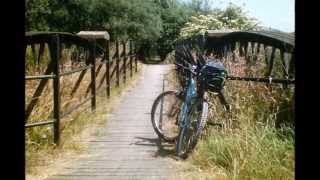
x=231, y=18
x=37, y=12
x=153, y=24
x=173, y=16
x=122, y=18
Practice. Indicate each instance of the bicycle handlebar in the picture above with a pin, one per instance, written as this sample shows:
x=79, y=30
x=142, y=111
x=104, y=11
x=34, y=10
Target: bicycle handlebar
x=186, y=68
x=220, y=94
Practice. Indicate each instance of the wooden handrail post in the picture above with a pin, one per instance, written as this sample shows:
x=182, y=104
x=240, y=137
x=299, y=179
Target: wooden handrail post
x=135, y=58
x=108, y=67
x=130, y=54
x=124, y=61
x=291, y=69
x=93, y=75
x=271, y=61
x=55, y=57
x=117, y=63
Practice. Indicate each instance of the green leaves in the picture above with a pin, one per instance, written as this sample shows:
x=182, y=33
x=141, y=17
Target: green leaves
x=36, y=13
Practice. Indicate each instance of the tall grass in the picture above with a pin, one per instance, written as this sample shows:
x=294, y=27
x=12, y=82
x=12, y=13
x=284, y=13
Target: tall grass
x=253, y=153
x=257, y=139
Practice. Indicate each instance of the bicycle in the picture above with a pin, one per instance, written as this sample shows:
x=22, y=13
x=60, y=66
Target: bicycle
x=166, y=110
x=185, y=111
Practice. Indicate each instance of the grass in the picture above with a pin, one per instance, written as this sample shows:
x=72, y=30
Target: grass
x=257, y=141
x=257, y=153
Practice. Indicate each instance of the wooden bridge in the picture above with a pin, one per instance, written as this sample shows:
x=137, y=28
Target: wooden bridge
x=129, y=149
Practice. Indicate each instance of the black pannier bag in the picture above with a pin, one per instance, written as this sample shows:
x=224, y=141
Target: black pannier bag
x=212, y=76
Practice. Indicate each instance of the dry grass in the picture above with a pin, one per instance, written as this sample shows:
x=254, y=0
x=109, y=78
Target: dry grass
x=257, y=138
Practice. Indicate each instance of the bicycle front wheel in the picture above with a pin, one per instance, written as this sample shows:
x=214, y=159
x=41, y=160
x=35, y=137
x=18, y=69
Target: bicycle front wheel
x=183, y=142
x=189, y=135
x=165, y=115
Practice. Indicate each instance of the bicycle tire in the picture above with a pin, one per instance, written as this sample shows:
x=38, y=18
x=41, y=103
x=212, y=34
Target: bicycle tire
x=174, y=117
x=189, y=136
x=201, y=123
x=182, y=146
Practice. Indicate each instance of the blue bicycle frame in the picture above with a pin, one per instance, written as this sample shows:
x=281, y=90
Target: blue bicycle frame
x=190, y=95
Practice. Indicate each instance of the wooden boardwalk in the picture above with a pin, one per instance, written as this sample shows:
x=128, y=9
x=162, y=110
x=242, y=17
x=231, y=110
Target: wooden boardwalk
x=128, y=148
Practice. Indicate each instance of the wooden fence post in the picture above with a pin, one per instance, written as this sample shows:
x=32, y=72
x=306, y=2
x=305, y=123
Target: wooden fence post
x=284, y=68
x=108, y=67
x=130, y=56
x=117, y=63
x=271, y=61
x=124, y=44
x=135, y=58
x=291, y=69
x=93, y=75
x=246, y=51
x=241, y=45
x=55, y=57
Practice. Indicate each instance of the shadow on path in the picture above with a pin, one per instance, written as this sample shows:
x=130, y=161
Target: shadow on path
x=164, y=149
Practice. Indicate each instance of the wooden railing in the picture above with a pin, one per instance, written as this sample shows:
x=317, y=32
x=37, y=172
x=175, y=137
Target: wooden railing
x=118, y=58
x=270, y=52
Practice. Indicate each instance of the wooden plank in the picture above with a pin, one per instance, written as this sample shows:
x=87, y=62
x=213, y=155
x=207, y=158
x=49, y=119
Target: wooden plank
x=76, y=86
x=39, y=77
x=42, y=123
x=76, y=70
x=94, y=35
x=113, y=71
x=102, y=80
x=285, y=67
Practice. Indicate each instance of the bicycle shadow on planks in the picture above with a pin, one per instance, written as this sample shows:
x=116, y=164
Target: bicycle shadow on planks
x=164, y=149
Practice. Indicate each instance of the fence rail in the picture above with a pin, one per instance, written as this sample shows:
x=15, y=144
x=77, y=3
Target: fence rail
x=277, y=50
x=91, y=50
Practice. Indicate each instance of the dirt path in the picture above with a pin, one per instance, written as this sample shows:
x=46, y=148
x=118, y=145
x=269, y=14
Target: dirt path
x=127, y=148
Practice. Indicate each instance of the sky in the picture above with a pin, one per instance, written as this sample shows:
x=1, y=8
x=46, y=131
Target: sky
x=277, y=14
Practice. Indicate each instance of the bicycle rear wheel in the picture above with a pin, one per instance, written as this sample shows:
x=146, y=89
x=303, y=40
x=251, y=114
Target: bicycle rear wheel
x=198, y=115
x=165, y=115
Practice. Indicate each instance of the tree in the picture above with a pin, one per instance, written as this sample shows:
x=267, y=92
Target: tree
x=232, y=18
x=174, y=15
x=153, y=24
x=36, y=15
